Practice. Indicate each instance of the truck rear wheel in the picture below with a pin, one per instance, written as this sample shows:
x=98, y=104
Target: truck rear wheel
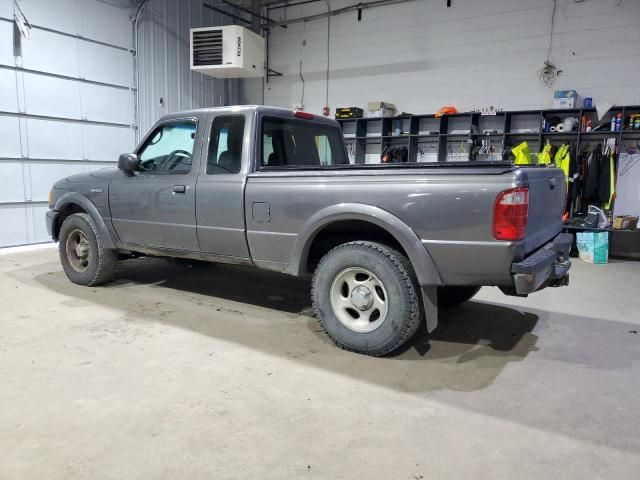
x=449, y=297
x=83, y=257
x=366, y=297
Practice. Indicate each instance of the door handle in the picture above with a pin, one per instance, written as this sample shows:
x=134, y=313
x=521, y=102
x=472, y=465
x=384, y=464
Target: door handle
x=179, y=189
x=552, y=183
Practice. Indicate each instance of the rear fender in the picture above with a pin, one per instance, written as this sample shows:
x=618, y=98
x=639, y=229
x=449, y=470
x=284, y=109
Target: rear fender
x=424, y=266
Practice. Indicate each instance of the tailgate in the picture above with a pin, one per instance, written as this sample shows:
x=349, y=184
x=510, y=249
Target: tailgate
x=547, y=187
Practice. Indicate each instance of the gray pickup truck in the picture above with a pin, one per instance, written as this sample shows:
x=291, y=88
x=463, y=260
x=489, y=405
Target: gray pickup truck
x=273, y=188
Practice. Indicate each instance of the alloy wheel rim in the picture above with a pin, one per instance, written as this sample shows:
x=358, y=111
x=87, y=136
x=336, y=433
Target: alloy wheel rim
x=359, y=299
x=78, y=250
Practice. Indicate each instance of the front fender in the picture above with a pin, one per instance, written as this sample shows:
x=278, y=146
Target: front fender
x=109, y=237
x=423, y=264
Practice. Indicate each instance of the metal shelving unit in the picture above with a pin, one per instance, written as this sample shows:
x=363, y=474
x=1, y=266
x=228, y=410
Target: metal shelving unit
x=448, y=135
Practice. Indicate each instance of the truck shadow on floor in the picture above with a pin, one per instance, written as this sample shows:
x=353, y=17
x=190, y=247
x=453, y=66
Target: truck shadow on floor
x=273, y=315
x=493, y=328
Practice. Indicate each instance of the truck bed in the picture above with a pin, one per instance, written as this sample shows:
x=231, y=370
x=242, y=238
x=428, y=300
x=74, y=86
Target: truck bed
x=448, y=206
x=478, y=168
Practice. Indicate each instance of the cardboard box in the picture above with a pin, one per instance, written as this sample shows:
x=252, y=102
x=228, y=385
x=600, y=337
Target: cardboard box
x=381, y=110
x=382, y=113
x=618, y=223
x=625, y=222
x=565, y=99
x=371, y=106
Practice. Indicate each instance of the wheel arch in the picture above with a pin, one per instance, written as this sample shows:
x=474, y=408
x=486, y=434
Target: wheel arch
x=74, y=202
x=391, y=227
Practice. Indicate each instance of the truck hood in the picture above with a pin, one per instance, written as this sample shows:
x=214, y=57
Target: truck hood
x=97, y=176
x=93, y=185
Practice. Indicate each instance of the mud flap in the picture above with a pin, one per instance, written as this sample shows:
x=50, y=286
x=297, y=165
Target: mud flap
x=430, y=303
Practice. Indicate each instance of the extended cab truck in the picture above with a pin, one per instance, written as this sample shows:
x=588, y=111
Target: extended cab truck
x=274, y=188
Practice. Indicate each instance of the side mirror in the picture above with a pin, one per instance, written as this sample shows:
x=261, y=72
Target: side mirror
x=128, y=162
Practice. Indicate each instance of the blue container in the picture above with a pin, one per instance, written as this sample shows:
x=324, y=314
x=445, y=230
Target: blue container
x=588, y=102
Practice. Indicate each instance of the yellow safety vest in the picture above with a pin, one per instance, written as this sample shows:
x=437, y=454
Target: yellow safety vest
x=562, y=159
x=544, y=157
x=521, y=152
x=612, y=188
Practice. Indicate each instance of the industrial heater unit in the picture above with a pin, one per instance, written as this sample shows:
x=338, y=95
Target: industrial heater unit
x=227, y=52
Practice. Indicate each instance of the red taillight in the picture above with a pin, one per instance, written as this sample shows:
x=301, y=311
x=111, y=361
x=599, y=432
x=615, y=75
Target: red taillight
x=305, y=115
x=510, y=214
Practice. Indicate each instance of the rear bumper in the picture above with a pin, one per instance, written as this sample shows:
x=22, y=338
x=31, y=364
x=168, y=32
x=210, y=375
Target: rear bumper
x=547, y=267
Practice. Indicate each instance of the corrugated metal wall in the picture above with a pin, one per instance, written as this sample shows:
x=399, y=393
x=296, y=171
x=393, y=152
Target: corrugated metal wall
x=163, y=63
x=66, y=103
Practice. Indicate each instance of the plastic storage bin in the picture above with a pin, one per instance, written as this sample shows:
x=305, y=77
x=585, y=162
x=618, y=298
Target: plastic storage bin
x=593, y=247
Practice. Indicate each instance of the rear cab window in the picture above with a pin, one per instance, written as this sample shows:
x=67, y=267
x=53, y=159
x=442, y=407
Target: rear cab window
x=298, y=143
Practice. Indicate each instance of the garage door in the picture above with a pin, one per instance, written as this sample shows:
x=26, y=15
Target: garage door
x=67, y=103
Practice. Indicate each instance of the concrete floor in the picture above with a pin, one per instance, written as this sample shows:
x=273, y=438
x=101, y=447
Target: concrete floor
x=209, y=372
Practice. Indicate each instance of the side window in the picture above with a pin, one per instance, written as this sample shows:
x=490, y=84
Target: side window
x=169, y=149
x=298, y=143
x=225, y=145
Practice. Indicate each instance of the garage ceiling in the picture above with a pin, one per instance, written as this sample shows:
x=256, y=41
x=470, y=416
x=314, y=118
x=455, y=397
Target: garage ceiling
x=264, y=3
x=244, y=3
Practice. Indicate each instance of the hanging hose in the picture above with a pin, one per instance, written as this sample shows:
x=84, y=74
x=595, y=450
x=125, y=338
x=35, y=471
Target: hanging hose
x=326, y=99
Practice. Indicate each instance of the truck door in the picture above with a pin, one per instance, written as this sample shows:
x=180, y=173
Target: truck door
x=155, y=206
x=220, y=190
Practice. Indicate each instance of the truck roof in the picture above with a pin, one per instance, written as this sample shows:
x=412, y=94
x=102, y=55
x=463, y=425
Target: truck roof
x=264, y=109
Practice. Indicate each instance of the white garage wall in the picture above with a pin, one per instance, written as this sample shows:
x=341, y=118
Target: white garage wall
x=66, y=104
x=422, y=55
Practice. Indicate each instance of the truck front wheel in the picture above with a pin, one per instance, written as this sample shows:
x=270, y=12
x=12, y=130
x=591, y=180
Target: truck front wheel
x=366, y=297
x=449, y=297
x=82, y=254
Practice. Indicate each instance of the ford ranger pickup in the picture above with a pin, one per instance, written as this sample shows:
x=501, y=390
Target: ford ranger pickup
x=386, y=244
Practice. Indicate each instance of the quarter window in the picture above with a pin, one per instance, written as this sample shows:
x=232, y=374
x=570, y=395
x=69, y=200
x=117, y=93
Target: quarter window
x=169, y=149
x=225, y=145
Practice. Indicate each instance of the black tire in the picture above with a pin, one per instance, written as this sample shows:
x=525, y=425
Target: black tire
x=449, y=297
x=398, y=285
x=96, y=265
